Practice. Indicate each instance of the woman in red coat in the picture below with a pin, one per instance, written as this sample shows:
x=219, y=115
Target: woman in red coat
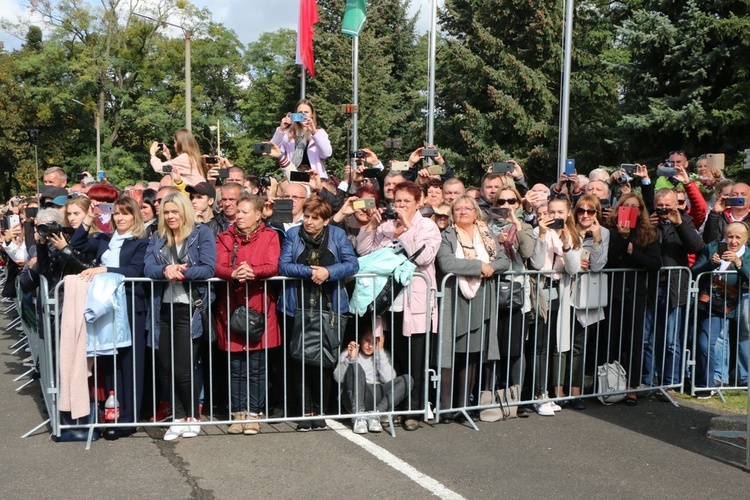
x=247, y=254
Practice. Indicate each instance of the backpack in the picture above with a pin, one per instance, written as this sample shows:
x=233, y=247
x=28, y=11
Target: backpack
x=611, y=377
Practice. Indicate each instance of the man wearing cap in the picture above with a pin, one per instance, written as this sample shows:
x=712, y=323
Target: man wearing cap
x=202, y=196
x=53, y=195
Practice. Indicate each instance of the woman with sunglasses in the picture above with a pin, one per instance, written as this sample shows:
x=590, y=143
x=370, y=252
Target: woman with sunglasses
x=557, y=252
x=515, y=238
x=594, y=248
x=630, y=248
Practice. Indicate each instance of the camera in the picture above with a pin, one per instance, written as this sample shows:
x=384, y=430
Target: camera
x=389, y=214
x=359, y=154
x=624, y=178
x=662, y=211
x=166, y=169
x=264, y=183
x=49, y=228
x=212, y=160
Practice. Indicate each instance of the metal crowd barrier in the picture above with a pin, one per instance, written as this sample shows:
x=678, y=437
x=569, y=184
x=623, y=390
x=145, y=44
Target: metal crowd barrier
x=720, y=334
x=542, y=349
x=121, y=370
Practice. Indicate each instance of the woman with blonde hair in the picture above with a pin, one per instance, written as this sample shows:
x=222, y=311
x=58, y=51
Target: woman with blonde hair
x=181, y=251
x=188, y=162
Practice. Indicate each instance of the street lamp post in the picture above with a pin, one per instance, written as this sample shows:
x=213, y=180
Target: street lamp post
x=188, y=85
x=97, y=125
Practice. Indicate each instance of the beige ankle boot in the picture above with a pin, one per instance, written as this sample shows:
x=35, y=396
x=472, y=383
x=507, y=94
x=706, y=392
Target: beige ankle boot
x=252, y=427
x=237, y=427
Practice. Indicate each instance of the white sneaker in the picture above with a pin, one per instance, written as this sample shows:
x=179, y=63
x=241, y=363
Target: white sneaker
x=360, y=426
x=174, y=432
x=373, y=424
x=191, y=431
x=555, y=406
x=544, y=409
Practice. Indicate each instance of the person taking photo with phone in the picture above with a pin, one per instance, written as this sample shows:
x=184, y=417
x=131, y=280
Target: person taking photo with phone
x=301, y=140
x=188, y=162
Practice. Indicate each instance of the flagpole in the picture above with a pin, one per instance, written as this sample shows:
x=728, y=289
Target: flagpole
x=302, y=83
x=565, y=101
x=355, y=94
x=431, y=65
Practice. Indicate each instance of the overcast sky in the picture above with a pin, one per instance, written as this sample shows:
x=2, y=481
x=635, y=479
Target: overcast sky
x=248, y=18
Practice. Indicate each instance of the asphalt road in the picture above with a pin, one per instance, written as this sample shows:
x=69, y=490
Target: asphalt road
x=653, y=450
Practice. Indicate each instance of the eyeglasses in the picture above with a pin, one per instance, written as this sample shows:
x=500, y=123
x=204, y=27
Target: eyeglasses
x=463, y=209
x=587, y=211
x=295, y=198
x=510, y=201
x=158, y=201
x=681, y=202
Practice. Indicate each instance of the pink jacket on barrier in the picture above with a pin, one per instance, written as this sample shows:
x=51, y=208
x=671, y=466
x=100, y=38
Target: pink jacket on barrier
x=74, y=371
x=423, y=232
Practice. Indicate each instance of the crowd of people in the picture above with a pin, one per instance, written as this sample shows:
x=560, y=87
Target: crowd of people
x=207, y=218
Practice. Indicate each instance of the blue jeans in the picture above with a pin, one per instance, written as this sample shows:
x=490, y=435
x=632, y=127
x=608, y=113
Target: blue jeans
x=668, y=346
x=712, y=360
x=248, y=380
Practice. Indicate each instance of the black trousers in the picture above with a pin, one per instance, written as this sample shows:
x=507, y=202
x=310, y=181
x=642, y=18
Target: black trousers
x=179, y=359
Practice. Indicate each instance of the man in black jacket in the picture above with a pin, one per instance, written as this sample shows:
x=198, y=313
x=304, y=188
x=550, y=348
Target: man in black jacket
x=668, y=290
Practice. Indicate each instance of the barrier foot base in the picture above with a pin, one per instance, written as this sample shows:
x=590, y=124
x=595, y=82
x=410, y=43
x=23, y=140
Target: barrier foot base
x=32, y=431
x=469, y=420
x=24, y=386
x=22, y=347
x=24, y=375
x=669, y=398
x=18, y=342
x=721, y=395
x=391, y=427
x=90, y=438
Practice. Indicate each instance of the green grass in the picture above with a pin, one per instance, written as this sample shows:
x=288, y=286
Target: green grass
x=736, y=402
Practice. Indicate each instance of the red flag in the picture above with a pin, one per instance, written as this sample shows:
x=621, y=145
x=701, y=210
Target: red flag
x=308, y=17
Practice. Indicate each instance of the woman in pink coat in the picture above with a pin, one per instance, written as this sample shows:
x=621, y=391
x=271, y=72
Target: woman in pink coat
x=301, y=140
x=411, y=322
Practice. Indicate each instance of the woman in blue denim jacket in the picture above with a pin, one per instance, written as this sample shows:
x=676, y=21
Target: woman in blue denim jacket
x=321, y=255
x=180, y=251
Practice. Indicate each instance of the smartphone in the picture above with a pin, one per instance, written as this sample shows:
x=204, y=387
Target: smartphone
x=629, y=168
x=364, y=203
x=371, y=173
x=723, y=247
x=585, y=254
x=80, y=176
x=429, y=152
x=160, y=146
x=212, y=160
x=107, y=208
x=12, y=220
x=167, y=169
x=261, y=148
x=3, y=225
x=570, y=166
x=557, y=224
x=734, y=202
x=436, y=169
x=399, y=166
x=296, y=176
x=297, y=117
x=715, y=160
x=499, y=213
x=666, y=172
x=282, y=211
x=503, y=167
x=31, y=212
x=100, y=175
x=222, y=173
x=627, y=214
x=604, y=202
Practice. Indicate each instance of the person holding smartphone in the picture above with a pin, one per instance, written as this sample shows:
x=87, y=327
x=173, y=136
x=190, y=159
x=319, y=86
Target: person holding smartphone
x=557, y=251
x=728, y=209
x=188, y=162
x=715, y=314
x=301, y=140
x=630, y=247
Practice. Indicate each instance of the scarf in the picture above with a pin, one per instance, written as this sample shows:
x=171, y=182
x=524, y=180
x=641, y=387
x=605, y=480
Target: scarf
x=300, y=146
x=481, y=247
x=724, y=265
x=111, y=257
x=315, y=248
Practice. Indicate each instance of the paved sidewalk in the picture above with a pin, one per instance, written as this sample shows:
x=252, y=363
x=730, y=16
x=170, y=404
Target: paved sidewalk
x=650, y=451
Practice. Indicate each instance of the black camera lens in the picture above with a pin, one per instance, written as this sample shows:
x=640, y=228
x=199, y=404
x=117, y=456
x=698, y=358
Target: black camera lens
x=389, y=214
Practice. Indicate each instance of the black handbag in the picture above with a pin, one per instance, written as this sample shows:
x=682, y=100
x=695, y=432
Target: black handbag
x=315, y=336
x=246, y=321
x=510, y=295
x=390, y=290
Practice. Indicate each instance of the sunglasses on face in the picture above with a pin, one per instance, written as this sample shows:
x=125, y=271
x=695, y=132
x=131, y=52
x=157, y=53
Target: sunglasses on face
x=510, y=201
x=681, y=202
x=558, y=196
x=587, y=211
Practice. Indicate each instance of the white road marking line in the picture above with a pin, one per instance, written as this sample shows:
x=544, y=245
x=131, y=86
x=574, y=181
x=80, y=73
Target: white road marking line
x=385, y=456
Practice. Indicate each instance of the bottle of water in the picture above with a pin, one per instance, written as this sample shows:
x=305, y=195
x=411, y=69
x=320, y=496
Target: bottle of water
x=111, y=415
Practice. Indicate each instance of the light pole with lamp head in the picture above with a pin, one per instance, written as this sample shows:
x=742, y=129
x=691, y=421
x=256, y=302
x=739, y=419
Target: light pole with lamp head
x=97, y=124
x=188, y=86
